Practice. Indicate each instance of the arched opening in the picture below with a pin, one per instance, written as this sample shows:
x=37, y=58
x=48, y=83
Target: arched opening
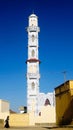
x=47, y=102
x=33, y=53
x=33, y=85
x=33, y=37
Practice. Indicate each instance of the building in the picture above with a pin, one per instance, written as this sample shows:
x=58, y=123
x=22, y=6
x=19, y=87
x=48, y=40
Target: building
x=46, y=99
x=39, y=104
x=23, y=109
x=4, y=109
x=35, y=99
x=33, y=75
x=64, y=103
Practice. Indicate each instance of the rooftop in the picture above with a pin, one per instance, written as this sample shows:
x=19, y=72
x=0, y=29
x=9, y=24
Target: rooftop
x=33, y=15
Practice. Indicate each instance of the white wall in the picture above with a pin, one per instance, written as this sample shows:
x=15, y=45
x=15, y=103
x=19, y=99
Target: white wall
x=48, y=115
x=4, y=109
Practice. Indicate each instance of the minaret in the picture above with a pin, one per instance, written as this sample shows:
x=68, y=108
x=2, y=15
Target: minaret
x=33, y=75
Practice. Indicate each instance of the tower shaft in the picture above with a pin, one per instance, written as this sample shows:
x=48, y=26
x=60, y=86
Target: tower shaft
x=33, y=75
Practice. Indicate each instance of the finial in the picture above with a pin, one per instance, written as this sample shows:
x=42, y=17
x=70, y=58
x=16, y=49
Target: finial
x=33, y=11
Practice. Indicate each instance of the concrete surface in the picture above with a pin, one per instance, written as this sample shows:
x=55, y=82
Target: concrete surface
x=36, y=128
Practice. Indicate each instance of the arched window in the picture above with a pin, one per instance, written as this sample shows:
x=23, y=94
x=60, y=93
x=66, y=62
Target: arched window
x=33, y=53
x=39, y=113
x=47, y=102
x=33, y=85
x=33, y=37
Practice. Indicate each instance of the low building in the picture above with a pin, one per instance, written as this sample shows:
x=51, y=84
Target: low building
x=4, y=109
x=23, y=109
x=64, y=103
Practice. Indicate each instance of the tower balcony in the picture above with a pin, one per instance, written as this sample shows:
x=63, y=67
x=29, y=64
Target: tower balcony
x=33, y=29
x=33, y=75
x=33, y=60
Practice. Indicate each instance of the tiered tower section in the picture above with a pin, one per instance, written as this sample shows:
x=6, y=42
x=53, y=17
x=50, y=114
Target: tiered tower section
x=33, y=75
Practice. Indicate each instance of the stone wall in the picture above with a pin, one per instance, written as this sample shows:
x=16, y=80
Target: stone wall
x=19, y=120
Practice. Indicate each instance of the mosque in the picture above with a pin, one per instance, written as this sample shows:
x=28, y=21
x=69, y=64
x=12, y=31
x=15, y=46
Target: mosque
x=35, y=99
x=40, y=106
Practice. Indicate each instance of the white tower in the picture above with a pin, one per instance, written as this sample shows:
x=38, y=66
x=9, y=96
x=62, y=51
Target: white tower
x=33, y=75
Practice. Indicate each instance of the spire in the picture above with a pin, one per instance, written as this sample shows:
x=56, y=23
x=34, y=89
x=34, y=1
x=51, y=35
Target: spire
x=33, y=12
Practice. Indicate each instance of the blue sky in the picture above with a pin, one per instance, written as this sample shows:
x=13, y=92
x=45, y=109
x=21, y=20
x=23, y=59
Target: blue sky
x=55, y=41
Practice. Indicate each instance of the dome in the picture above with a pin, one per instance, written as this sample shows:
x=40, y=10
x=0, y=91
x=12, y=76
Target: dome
x=32, y=15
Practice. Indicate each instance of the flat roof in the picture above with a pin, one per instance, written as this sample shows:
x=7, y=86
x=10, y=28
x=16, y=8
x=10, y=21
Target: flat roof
x=62, y=84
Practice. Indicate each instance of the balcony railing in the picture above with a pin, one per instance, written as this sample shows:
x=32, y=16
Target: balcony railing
x=33, y=75
x=33, y=29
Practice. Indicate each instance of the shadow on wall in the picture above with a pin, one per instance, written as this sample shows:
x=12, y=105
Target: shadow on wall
x=68, y=114
x=1, y=123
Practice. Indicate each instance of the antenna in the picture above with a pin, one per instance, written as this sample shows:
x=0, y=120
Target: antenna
x=64, y=72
